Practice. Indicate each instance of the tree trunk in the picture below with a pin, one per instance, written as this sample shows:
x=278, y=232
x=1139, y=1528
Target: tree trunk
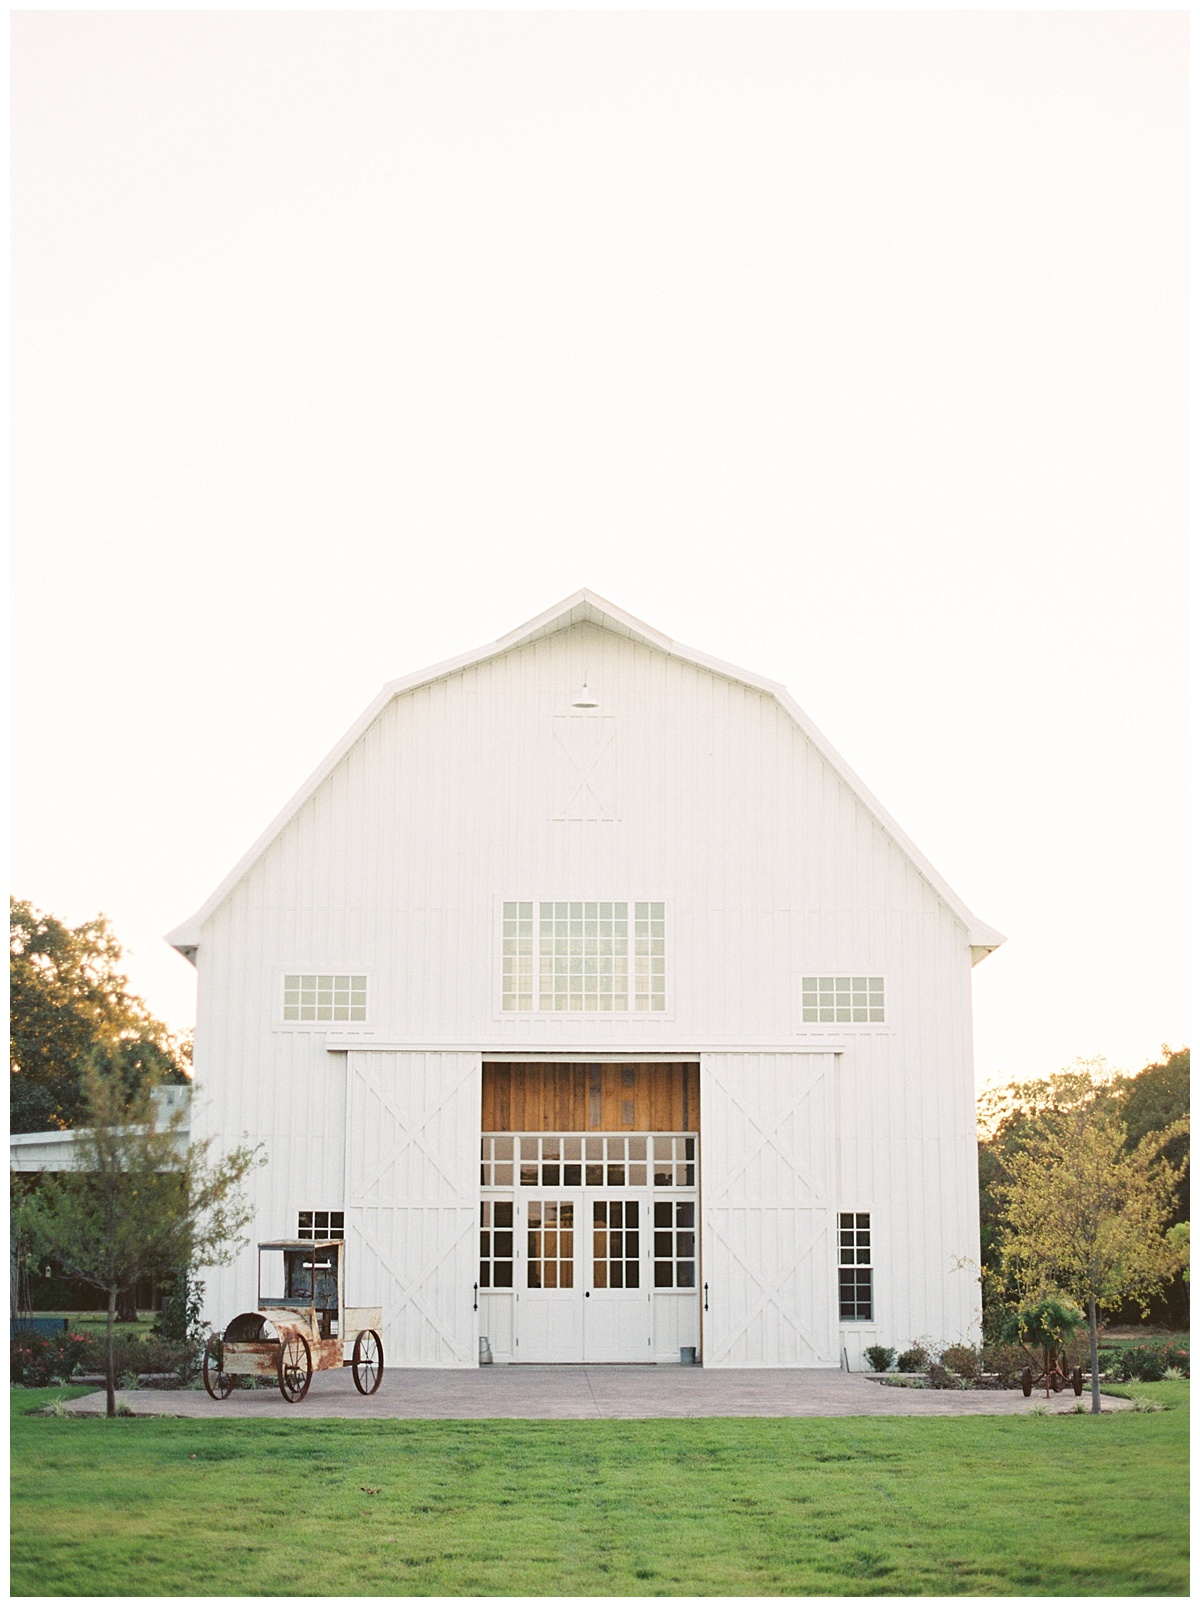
x=109, y=1383
x=1092, y=1346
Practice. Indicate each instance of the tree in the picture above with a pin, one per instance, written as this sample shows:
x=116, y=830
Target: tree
x=142, y=1205
x=69, y=1000
x=1085, y=1215
x=1013, y=1117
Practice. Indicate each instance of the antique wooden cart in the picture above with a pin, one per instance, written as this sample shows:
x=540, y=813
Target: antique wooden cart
x=300, y=1326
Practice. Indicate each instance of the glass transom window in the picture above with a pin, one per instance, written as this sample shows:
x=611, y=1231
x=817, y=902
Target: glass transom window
x=324, y=997
x=583, y=955
x=842, y=998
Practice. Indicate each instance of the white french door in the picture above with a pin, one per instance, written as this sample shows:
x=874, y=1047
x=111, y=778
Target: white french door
x=588, y=1246
x=584, y=1289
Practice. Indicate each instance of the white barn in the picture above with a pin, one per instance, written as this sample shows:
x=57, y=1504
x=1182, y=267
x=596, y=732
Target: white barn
x=590, y=994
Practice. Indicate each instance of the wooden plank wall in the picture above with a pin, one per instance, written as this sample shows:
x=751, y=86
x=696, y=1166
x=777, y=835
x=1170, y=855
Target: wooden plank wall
x=570, y=1097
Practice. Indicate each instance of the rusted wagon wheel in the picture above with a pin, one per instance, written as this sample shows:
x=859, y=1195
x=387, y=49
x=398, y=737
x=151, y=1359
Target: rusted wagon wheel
x=368, y=1362
x=295, y=1368
x=217, y=1382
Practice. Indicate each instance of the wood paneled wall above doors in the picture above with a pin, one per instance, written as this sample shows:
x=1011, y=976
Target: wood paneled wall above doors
x=579, y=1097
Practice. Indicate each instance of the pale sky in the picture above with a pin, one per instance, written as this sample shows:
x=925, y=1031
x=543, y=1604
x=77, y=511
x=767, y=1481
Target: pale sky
x=851, y=349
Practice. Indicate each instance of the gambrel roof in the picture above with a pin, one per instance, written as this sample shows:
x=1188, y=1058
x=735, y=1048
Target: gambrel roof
x=586, y=607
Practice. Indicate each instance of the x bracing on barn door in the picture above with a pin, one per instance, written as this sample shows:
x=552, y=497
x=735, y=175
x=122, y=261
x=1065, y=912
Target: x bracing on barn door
x=769, y=1287
x=443, y=1255
x=414, y=1136
x=766, y=1129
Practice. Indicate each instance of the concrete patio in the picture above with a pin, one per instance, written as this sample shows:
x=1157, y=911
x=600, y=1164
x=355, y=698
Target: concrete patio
x=594, y=1392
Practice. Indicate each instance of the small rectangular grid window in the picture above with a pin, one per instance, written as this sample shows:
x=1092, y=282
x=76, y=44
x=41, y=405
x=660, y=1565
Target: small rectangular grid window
x=321, y=1225
x=615, y=1244
x=496, y=1244
x=674, y=1244
x=855, y=1294
x=842, y=998
x=518, y=956
x=496, y=1162
x=550, y=1227
x=674, y=1161
x=324, y=997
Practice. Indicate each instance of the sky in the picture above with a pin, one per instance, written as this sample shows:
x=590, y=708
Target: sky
x=847, y=348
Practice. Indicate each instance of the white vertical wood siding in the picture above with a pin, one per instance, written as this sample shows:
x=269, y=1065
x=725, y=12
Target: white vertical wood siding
x=412, y=1201
x=767, y=1180
x=770, y=869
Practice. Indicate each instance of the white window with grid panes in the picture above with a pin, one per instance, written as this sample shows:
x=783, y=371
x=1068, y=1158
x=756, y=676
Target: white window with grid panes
x=588, y=955
x=842, y=999
x=312, y=998
x=321, y=1225
x=856, y=1294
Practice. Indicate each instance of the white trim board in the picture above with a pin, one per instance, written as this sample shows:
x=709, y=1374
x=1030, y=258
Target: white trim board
x=607, y=1053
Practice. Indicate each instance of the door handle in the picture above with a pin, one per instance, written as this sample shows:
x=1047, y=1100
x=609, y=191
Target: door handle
x=475, y=1307
x=706, y=1297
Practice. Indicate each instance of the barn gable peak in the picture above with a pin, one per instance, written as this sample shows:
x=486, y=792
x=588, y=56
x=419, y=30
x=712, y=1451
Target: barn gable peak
x=587, y=607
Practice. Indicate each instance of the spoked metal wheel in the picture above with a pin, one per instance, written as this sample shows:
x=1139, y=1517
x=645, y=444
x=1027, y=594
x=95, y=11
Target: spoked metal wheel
x=295, y=1367
x=368, y=1362
x=217, y=1382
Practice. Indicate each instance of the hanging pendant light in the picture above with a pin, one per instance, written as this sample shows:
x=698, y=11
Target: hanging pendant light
x=583, y=698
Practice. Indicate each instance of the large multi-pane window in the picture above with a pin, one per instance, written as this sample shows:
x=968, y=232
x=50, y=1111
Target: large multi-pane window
x=842, y=998
x=583, y=955
x=329, y=996
x=855, y=1294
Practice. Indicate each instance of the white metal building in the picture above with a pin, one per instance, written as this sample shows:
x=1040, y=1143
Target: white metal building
x=593, y=997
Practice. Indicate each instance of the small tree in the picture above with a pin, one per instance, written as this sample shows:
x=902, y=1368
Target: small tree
x=1086, y=1215
x=142, y=1203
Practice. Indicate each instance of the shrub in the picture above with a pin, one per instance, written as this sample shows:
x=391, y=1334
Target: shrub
x=964, y=1360
x=132, y=1355
x=1008, y=1362
x=39, y=1359
x=1148, y=1363
x=913, y=1360
x=880, y=1358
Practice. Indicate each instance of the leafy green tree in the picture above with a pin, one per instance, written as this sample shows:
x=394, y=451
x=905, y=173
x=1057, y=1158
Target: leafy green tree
x=143, y=1204
x=1085, y=1215
x=1014, y=1117
x=1156, y=1099
x=70, y=1002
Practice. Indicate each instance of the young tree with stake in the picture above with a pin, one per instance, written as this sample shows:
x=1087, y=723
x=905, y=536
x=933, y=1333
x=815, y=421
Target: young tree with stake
x=1085, y=1215
x=142, y=1203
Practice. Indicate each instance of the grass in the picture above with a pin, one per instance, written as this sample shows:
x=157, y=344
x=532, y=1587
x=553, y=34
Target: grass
x=740, y=1507
x=95, y=1323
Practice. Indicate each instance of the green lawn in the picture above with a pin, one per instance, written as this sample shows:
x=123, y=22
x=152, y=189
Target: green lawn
x=740, y=1507
x=96, y=1322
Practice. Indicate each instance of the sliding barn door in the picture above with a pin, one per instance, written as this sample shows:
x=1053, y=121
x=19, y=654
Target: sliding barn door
x=412, y=1201
x=767, y=1185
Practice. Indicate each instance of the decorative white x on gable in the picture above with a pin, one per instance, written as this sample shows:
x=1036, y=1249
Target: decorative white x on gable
x=585, y=767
